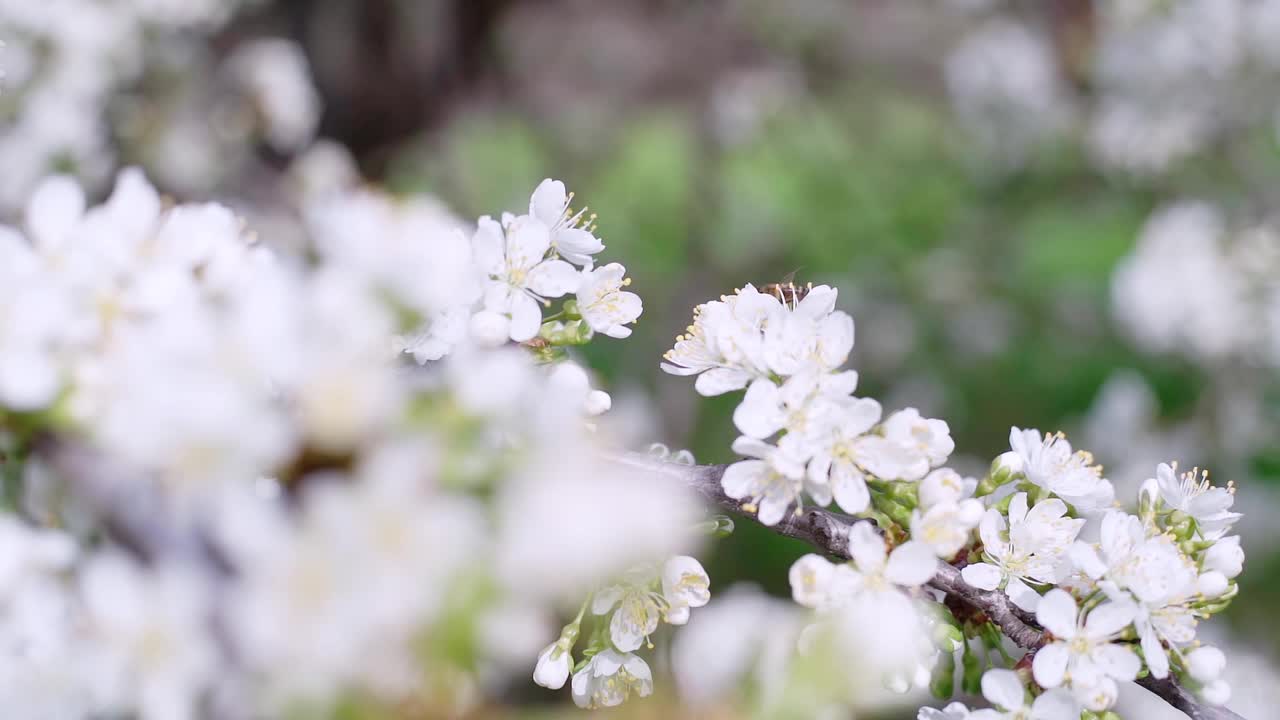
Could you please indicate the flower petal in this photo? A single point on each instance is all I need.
(1118, 662)
(1022, 594)
(528, 240)
(849, 487)
(1109, 618)
(1055, 705)
(983, 576)
(742, 479)
(554, 278)
(526, 317)
(1057, 614)
(718, 381)
(1003, 689)
(1050, 664)
(912, 564)
(1153, 652)
(867, 548)
(548, 202)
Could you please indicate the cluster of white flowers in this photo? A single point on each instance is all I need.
(1167, 79)
(1016, 531)
(354, 513)
(65, 62)
(1234, 311)
(350, 510)
(1144, 585)
(610, 671)
(1003, 81)
(786, 347)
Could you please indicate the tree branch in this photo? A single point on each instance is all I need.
(138, 523)
(829, 531)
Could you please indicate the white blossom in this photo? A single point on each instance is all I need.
(1160, 578)
(609, 678)
(1025, 551)
(1192, 494)
(604, 305)
(1049, 462)
(1004, 689)
(770, 483)
(571, 232)
(946, 526)
(514, 256)
(1083, 654)
(945, 485)
(554, 664)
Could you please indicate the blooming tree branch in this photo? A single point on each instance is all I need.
(829, 531)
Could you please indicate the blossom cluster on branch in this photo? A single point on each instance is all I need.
(1118, 595)
(243, 482)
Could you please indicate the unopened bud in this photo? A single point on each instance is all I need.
(943, 684)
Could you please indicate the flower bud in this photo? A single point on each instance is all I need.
(553, 666)
(948, 638)
(1225, 556)
(943, 684)
(1212, 584)
(1148, 496)
(490, 329)
(943, 485)
(1100, 696)
(598, 402)
(1217, 692)
(1206, 663)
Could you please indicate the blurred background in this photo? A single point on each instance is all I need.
(1057, 214)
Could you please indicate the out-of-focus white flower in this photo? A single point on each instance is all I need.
(945, 485)
(1004, 689)
(562, 496)
(609, 678)
(554, 664)
(1225, 557)
(153, 625)
(946, 526)
(1003, 81)
(952, 711)
(744, 638)
(1181, 246)
(1083, 654)
(1206, 663)
(276, 74)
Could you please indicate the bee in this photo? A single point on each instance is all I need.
(787, 291)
